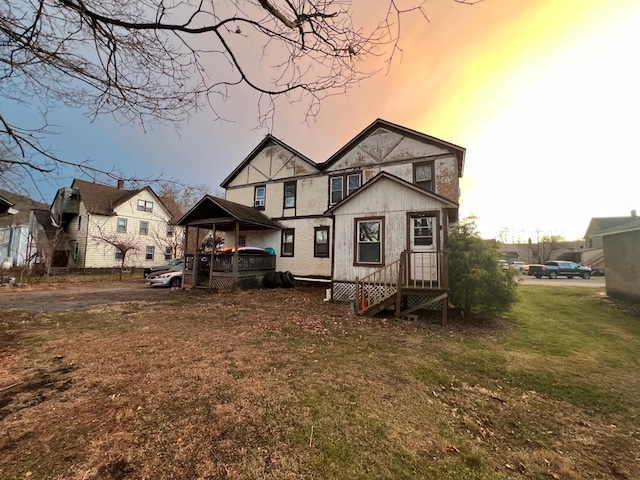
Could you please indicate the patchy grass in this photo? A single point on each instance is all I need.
(279, 384)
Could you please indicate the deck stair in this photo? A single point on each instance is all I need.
(416, 281)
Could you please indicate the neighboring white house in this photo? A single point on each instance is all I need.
(14, 228)
(97, 217)
(389, 190)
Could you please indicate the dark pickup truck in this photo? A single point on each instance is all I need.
(560, 268)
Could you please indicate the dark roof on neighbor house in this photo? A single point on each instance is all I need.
(99, 199)
(379, 123)
(380, 176)
(22, 204)
(225, 214)
(598, 224)
(263, 144)
(172, 207)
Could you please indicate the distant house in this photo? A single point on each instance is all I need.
(621, 245)
(14, 227)
(380, 207)
(593, 253)
(94, 217)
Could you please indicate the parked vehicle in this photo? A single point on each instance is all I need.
(166, 278)
(172, 263)
(559, 268)
(517, 265)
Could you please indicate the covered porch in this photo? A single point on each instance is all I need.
(207, 268)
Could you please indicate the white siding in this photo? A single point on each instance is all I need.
(387, 199)
(100, 254)
(303, 263)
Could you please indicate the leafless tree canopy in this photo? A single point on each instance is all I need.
(160, 60)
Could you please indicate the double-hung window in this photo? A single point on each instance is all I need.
(144, 206)
(122, 225)
(144, 227)
(118, 254)
(289, 194)
(167, 253)
(259, 196)
(150, 252)
(369, 241)
(423, 176)
(343, 185)
(321, 242)
(286, 247)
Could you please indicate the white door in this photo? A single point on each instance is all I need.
(423, 259)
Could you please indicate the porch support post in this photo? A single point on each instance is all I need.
(236, 255)
(184, 252)
(213, 255)
(196, 259)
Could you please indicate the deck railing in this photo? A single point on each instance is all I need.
(224, 263)
(413, 270)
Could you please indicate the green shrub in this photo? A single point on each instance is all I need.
(477, 281)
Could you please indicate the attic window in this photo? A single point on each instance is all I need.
(144, 206)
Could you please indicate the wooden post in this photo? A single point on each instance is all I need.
(399, 285)
(356, 301)
(212, 258)
(236, 256)
(184, 253)
(196, 259)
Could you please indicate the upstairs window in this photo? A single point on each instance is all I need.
(122, 225)
(343, 185)
(144, 228)
(289, 194)
(321, 242)
(76, 251)
(169, 232)
(79, 222)
(369, 239)
(423, 176)
(259, 197)
(144, 206)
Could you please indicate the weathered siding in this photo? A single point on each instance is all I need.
(312, 195)
(303, 263)
(272, 163)
(386, 199)
(623, 265)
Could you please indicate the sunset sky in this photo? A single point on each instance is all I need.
(543, 94)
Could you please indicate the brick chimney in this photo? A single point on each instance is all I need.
(120, 184)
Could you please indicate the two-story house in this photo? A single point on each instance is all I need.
(96, 218)
(388, 191)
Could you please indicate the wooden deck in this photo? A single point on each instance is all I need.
(226, 271)
(416, 281)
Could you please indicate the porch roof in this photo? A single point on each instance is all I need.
(225, 214)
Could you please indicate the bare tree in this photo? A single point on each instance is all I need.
(160, 60)
(546, 245)
(124, 244)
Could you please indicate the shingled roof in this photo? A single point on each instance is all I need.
(102, 199)
(23, 205)
(225, 213)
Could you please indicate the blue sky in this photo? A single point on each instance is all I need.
(543, 94)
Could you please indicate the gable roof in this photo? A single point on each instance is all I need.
(598, 224)
(398, 180)
(458, 151)
(99, 199)
(224, 214)
(631, 225)
(102, 199)
(43, 218)
(268, 139)
(20, 203)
